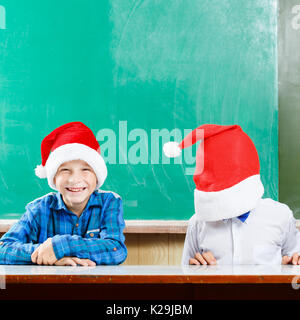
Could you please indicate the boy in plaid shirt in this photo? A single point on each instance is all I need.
(79, 224)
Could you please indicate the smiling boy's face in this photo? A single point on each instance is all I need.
(76, 181)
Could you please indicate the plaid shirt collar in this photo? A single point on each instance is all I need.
(58, 203)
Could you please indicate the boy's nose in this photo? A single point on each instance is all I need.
(74, 178)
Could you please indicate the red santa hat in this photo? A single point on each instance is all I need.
(227, 174)
(71, 141)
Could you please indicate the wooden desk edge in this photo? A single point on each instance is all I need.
(148, 279)
(136, 226)
(132, 226)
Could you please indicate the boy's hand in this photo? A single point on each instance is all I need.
(294, 259)
(74, 261)
(204, 258)
(44, 254)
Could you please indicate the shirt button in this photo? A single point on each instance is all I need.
(115, 249)
(77, 224)
(91, 234)
(1, 242)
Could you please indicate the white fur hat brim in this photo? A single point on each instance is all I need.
(69, 152)
(230, 202)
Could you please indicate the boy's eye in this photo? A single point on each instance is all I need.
(64, 169)
(86, 169)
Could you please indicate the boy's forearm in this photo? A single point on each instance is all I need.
(16, 253)
(291, 243)
(101, 251)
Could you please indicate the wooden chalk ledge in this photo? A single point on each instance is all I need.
(132, 226)
(137, 226)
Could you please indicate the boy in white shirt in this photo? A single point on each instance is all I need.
(232, 224)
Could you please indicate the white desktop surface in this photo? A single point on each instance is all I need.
(151, 270)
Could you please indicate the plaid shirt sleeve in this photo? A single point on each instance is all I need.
(17, 245)
(108, 249)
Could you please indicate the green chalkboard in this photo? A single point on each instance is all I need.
(289, 103)
(138, 73)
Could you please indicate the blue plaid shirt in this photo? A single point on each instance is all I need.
(96, 235)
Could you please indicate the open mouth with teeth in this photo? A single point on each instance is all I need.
(76, 190)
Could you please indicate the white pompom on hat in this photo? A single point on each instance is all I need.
(71, 141)
(172, 149)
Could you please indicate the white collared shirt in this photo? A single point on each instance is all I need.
(268, 233)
